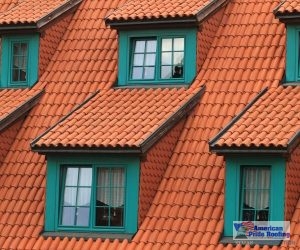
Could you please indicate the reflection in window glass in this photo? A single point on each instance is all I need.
(75, 205)
(19, 62)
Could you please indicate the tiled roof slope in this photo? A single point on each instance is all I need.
(158, 9)
(6, 4)
(288, 6)
(247, 54)
(119, 118)
(273, 121)
(29, 11)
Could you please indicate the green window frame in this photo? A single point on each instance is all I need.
(93, 201)
(153, 57)
(235, 165)
(19, 61)
(293, 54)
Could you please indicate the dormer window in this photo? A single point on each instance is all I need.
(157, 57)
(19, 61)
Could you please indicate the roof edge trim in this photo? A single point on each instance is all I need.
(33, 143)
(250, 150)
(210, 8)
(171, 121)
(213, 141)
(69, 5)
(21, 110)
(294, 141)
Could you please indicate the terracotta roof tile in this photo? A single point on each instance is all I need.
(29, 11)
(98, 123)
(161, 9)
(288, 6)
(273, 121)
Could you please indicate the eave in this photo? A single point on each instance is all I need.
(126, 149)
(20, 111)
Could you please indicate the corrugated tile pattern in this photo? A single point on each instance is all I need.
(7, 4)
(288, 6)
(49, 41)
(11, 99)
(117, 118)
(272, 121)
(29, 11)
(292, 183)
(154, 166)
(156, 9)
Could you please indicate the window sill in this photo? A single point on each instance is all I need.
(243, 242)
(89, 235)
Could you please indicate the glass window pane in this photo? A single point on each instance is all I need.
(139, 46)
(166, 44)
(178, 72)
(116, 218)
(68, 216)
(85, 178)
(150, 59)
(82, 216)
(178, 58)
(179, 44)
(262, 201)
(70, 196)
(71, 176)
(84, 196)
(149, 73)
(166, 72)
(117, 196)
(137, 73)
(151, 46)
(102, 216)
(166, 58)
(138, 60)
(118, 177)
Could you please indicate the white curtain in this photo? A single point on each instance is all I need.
(110, 182)
(257, 187)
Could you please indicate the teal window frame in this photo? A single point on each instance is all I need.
(292, 53)
(8, 41)
(234, 164)
(126, 39)
(54, 180)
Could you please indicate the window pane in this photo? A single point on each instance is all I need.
(150, 60)
(151, 46)
(19, 62)
(166, 44)
(166, 72)
(70, 196)
(179, 44)
(68, 215)
(139, 46)
(110, 197)
(83, 216)
(178, 58)
(137, 73)
(149, 73)
(166, 58)
(71, 176)
(85, 178)
(84, 196)
(138, 60)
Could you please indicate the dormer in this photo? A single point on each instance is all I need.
(23, 27)
(288, 12)
(158, 40)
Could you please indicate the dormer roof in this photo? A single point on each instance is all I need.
(288, 10)
(136, 12)
(33, 13)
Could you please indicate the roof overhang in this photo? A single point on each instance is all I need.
(141, 149)
(187, 21)
(20, 111)
(35, 26)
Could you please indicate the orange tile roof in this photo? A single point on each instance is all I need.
(31, 11)
(118, 118)
(273, 121)
(247, 53)
(288, 6)
(159, 9)
(15, 103)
